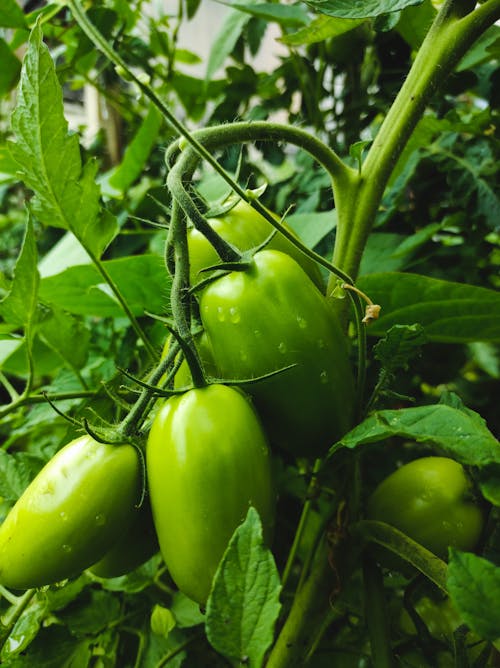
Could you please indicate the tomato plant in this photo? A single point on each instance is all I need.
(338, 164)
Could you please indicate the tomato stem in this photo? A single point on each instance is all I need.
(376, 613)
(358, 200)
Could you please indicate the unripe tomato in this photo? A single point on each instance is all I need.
(244, 228)
(430, 500)
(271, 316)
(79, 504)
(207, 461)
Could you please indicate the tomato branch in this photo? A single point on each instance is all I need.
(448, 39)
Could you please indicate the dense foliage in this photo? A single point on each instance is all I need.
(114, 135)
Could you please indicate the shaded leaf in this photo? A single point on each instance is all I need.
(474, 587)
(11, 15)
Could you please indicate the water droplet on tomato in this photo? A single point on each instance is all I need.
(323, 377)
(302, 322)
(221, 316)
(100, 519)
(282, 347)
(67, 548)
(234, 315)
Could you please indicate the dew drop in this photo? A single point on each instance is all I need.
(302, 322)
(234, 315)
(282, 347)
(257, 333)
(221, 316)
(323, 377)
(321, 344)
(63, 515)
(100, 519)
(67, 548)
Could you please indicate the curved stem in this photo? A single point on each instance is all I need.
(455, 28)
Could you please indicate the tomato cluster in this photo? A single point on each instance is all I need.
(277, 376)
(270, 333)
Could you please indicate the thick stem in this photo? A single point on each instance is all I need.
(448, 39)
(309, 608)
(376, 614)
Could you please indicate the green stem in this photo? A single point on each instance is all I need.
(41, 398)
(309, 607)
(10, 618)
(376, 614)
(123, 303)
(302, 523)
(448, 39)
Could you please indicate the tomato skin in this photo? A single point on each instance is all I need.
(244, 228)
(70, 514)
(271, 316)
(135, 546)
(429, 499)
(207, 461)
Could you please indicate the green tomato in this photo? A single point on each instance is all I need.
(244, 228)
(429, 499)
(135, 546)
(74, 510)
(269, 317)
(207, 461)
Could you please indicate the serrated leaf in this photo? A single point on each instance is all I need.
(459, 433)
(321, 28)
(474, 587)
(244, 603)
(449, 312)
(399, 346)
(360, 9)
(66, 195)
(11, 15)
(20, 304)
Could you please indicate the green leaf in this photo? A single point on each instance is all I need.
(142, 280)
(20, 305)
(25, 630)
(136, 153)
(346, 9)
(415, 23)
(399, 346)
(9, 72)
(244, 603)
(312, 227)
(67, 196)
(320, 29)
(450, 312)
(67, 335)
(474, 587)
(11, 15)
(286, 15)
(457, 432)
(16, 472)
(162, 621)
(225, 41)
